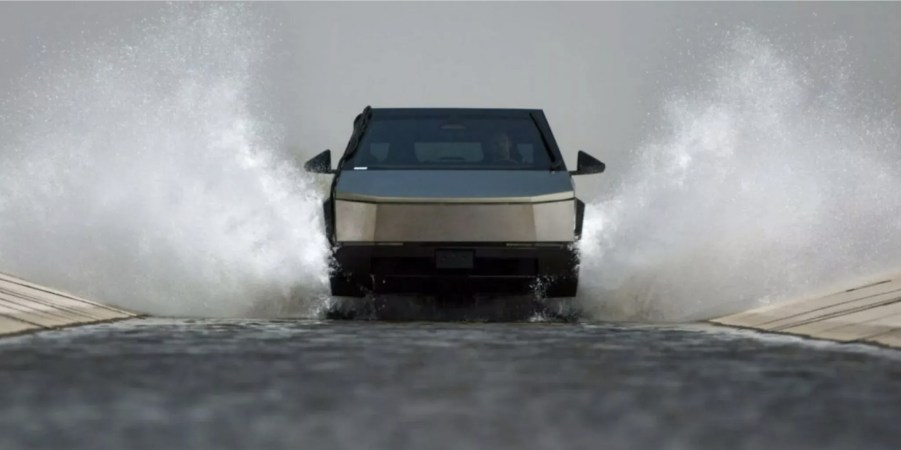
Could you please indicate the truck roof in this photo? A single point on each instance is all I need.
(424, 112)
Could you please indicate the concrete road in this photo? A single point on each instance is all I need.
(213, 384)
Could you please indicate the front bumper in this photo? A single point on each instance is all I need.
(436, 268)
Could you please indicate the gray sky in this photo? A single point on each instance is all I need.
(599, 70)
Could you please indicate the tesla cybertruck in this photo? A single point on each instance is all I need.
(431, 200)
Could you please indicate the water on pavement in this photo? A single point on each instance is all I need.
(213, 384)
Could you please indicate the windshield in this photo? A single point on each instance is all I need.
(451, 143)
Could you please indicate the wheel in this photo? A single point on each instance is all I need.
(562, 286)
(345, 286)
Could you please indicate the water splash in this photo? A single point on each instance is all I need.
(135, 172)
(773, 179)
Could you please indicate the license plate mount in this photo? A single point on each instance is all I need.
(454, 259)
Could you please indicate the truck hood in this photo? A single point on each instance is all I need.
(454, 186)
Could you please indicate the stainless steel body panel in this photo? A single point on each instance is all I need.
(455, 222)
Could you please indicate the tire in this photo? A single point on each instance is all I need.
(345, 286)
(562, 287)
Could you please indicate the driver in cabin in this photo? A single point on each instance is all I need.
(500, 149)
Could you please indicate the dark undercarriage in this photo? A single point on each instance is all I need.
(458, 268)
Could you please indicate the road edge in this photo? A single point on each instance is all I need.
(866, 311)
(27, 307)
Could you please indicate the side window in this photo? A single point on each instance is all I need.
(526, 153)
(378, 151)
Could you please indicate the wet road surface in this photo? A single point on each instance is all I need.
(213, 384)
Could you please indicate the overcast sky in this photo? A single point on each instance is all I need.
(601, 71)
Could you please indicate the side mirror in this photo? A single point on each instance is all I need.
(587, 164)
(321, 163)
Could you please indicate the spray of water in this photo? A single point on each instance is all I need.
(774, 178)
(135, 172)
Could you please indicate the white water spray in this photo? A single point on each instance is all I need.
(135, 173)
(774, 179)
